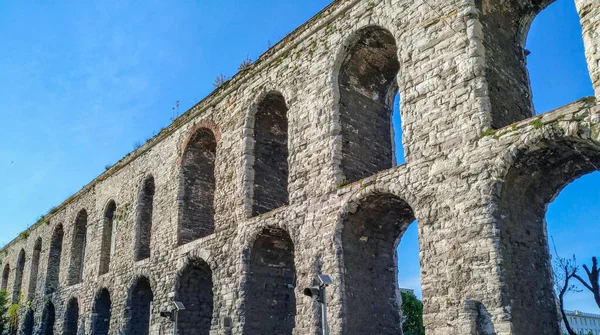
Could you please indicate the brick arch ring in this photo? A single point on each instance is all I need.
(204, 123)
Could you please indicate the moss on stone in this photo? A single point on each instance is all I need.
(537, 123)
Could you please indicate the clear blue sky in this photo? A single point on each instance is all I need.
(82, 82)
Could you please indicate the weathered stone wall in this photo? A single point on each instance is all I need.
(478, 196)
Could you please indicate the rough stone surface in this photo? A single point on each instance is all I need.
(480, 170)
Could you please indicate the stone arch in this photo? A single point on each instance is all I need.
(108, 237)
(19, 270)
(551, 57)
(504, 31)
(5, 275)
(54, 256)
(28, 323)
(101, 313)
(270, 304)
(534, 174)
(71, 321)
(139, 304)
(370, 233)
(194, 288)
(35, 264)
(268, 123)
(197, 187)
(143, 232)
(366, 85)
(78, 243)
(48, 319)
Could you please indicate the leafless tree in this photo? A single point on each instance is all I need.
(246, 63)
(220, 80)
(593, 284)
(564, 270)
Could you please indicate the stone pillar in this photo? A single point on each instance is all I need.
(589, 15)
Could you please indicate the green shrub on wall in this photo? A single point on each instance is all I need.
(3, 312)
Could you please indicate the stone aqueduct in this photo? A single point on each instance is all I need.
(286, 171)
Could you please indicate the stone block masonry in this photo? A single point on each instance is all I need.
(286, 171)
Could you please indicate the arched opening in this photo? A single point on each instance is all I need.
(270, 281)
(556, 61)
(138, 311)
(399, 152)
(556, 64)
(28, 323)
(101, 313)
(53, 269)
(35, 264)
(197, 187)
(5, 274)
(78, 248)
(195, 291)
(71, 321)
(108, 239)
(18, 277)
(370, 237)
(143, 232)
(531, 183)
(409, 280)
(572, 226)
(48, 319)
(368, 87)
(270, 188)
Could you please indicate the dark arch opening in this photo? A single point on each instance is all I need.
(144, 220)
(531, 183)
(48, 320)
(71, 318)
(138, 310)
(35, 264)
(101, 313)
(78, 248)
(197, 187)
(53, 269)
(5, 274)
(270, 189)
(367, 84)
(107, 247)
(556, 61)
(270, 280)
(370, 237)
(505, 29)
(28, 323)
(19, 269)
(195, 291)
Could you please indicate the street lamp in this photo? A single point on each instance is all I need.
(317, 292)
(173, 314)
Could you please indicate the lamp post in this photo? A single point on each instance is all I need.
(318, 293)
(173, 314)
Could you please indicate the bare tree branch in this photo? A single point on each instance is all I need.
(564, 270)
(593, 285)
